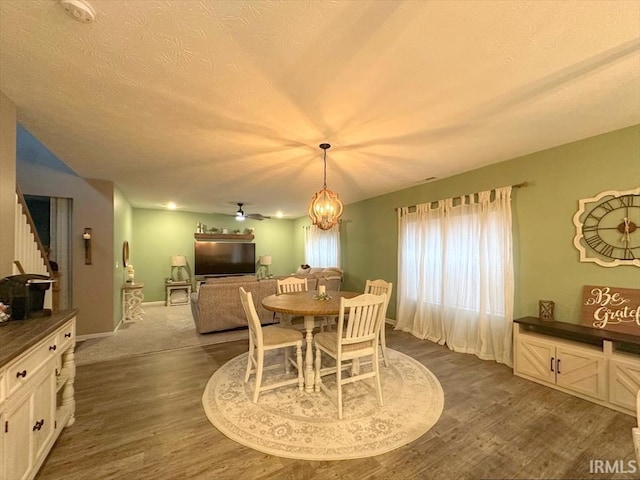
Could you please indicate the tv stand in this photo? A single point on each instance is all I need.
(596, 365)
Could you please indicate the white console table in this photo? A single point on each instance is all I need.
(596, 365)
(132, 297)
(37, 373)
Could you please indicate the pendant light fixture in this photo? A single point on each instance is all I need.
(326, 208)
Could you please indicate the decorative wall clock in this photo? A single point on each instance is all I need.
(608, 228)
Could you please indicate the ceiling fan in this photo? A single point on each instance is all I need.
(240, 215)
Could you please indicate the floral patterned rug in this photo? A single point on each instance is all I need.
(288, 423)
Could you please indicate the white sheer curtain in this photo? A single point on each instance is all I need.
(322, 247)
(455, 274)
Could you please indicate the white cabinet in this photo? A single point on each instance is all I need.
(581, 370)
(178, 293)
(624, 375)
(588, 366)
(36, 402)
(573, 367)
(29, 425)
(535, 358)
(43, 415)
(16, 421)
(132, 298)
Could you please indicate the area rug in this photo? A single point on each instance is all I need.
(292, 424)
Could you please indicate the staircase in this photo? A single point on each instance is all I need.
(29, 255)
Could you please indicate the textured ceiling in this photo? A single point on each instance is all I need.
(207, 103)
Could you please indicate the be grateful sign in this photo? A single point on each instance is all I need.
(611, 308)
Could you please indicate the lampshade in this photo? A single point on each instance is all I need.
(265, 260)
(179, 261)
(326, 208)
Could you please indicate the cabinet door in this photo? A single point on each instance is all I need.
(44, 411)
(17, 436)
(624, 381)
(535, 357)
(581, 370)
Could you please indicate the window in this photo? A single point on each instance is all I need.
(455, 274)
(322, 247)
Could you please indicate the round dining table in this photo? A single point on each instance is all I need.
(308, 305)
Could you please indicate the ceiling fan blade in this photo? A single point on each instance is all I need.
(241, 214)
(256, 216)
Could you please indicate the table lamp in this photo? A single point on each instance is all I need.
(265, 260)
(178, 261)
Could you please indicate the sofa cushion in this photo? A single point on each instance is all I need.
(217, 306)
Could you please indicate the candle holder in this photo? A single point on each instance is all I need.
(86, 236)
(546, 310)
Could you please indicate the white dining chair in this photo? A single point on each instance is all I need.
(295, 284)
(263, 339)
(380, 287)
(291, 284)
(356, 336)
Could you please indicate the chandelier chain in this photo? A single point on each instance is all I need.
(325, 168)
(325, 147)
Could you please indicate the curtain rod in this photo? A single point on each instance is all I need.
(517, 185)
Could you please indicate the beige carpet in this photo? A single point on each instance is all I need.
(292, 424)
(162, 328)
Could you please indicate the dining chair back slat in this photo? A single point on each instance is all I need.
(291, 284)
(380, 287)
(361, 324)
(356, 337)
(295, 284)
(263, 339)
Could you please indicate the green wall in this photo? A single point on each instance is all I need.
(160, 234)
(546, 263)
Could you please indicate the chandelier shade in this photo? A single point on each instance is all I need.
(326, 208)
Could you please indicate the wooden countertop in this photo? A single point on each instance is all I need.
(570, 330)
(16, 336)
(303, 303)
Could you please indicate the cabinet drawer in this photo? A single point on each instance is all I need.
(22, 369)
(67, 335)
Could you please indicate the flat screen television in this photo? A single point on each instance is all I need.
(225, 258)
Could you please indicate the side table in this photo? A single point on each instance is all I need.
(178, 293)
(132, 298)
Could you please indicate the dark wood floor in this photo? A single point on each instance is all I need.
(142, 418)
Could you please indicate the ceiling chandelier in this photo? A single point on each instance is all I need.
(326, 208)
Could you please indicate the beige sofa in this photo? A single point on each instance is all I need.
(216, 305)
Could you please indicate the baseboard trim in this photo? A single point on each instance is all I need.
(89, 336)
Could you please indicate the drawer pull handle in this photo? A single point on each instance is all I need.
(558, 367)
(67, 335)
(38, 425)
(23, 373)
(53, 348)
(552, 359)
